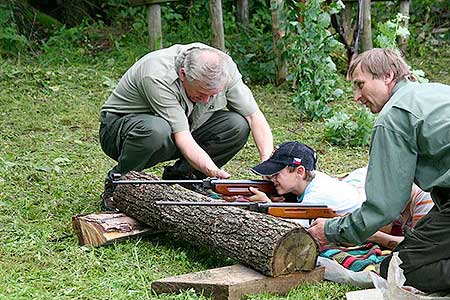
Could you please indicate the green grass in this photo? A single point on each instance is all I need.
(52, 167)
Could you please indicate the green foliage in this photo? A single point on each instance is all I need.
(390, 31)
(11, 41)
(308, 45)
(349, 130)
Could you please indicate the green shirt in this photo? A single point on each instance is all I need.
(410, 142)
(152, 86)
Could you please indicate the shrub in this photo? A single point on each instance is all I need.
(350, 130)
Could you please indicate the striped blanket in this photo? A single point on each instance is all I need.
(358, 258)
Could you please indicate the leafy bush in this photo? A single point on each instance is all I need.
(11, 41)
(350, 130)
(308, 45)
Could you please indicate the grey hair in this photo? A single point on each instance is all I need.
(379, 62)
(205, 65)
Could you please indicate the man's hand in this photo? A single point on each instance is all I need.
(317, 230)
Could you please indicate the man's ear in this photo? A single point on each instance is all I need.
(182, 74)
(388, 78)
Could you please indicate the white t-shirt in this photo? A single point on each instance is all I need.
(338, 195)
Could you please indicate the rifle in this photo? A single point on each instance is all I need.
(276, 209)
(228, 187)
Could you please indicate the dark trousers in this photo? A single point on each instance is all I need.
(425, 251)
(140, 141)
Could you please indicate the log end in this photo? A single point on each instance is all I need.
(296, 251)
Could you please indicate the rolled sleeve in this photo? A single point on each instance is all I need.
(389, 180)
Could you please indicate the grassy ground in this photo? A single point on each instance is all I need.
(51, 168)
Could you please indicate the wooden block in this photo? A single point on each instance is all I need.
(105, 228)
(148, 2)
(233, 282)
(372, 294)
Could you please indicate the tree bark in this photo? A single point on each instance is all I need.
(272, 246)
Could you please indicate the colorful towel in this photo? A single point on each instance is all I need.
(359, 258)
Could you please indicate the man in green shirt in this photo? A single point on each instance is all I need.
(185, 102)
(410, 143)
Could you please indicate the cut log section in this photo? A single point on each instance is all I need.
(105, 228)
(233, 282)
(270, 245)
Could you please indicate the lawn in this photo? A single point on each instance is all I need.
(52, 167)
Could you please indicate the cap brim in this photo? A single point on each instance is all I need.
(268, 168)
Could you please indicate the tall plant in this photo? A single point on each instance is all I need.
(308, 45)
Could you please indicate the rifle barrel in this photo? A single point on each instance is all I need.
(156, 181)
(239, 203)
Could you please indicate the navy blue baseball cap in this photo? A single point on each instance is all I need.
(293, 154)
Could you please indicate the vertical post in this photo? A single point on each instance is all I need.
(215, 12)
(278, 31)
(366, 41)
(154, 26)
(347, 21)
(242, 12)
(404, 10)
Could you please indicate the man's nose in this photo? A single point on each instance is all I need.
(357, 96)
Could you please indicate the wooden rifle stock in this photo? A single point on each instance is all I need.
(276, 209)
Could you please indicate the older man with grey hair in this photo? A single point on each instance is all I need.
(185, 102)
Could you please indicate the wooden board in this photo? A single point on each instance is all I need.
(233, 282)
(105, 228)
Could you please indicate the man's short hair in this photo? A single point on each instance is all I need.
(379, 62)
(204, 65)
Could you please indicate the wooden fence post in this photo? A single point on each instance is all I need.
(404, 10)
(154, 26)
(278, 31)
(242, 12)
(215, 12)
(366, 41)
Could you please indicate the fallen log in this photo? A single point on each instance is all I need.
(272, 246)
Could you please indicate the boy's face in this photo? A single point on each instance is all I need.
(288, 182)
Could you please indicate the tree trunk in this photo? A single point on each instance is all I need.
(270, 245)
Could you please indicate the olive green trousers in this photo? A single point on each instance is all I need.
(140, 141)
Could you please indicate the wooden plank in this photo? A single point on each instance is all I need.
(148, 2)
(372, 294)
(105, 228)
(233, 282)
